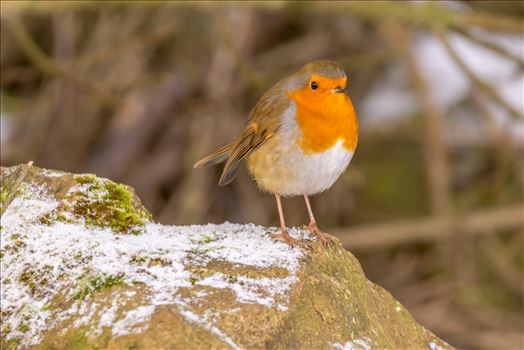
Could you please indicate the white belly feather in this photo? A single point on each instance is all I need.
(280, 165)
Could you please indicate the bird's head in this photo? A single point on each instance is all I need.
(318, 82)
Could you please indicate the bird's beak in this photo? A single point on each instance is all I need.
(338, 90)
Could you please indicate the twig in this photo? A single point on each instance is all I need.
(483, 86)
(500, 261)
(433, 228)
(491, 22)
(142, 39)
(429, 15)
(126, 143)
(434, 123)
(426, 14)
(490, 45)
(50, 67)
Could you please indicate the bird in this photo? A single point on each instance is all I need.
(298, 139)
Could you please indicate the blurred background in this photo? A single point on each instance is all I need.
(432, 204)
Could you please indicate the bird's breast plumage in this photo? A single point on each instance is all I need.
(325, 120)
(307, 154)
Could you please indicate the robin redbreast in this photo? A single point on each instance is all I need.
(299, 138)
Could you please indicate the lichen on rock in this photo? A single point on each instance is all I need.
(71, 278)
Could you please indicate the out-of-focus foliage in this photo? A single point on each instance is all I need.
(138, 91)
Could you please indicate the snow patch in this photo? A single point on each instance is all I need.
(39, 262)
(434, 346)
(134, 317)
(398, 307)
(357, 344)
(53, 173)
(190, 316)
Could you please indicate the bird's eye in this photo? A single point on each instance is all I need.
(314, 85)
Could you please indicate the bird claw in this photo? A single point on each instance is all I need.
(292, 242)
(325, 238)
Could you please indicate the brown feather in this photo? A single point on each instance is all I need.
(263, 123)
(219, 156)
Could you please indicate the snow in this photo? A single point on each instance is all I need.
(190, 316)
(435, 346)
(250, 290)
(357, 344)
(53, 173)
(128, 323)
(398, 307)
(64, 256)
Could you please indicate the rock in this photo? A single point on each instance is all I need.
(84, 266)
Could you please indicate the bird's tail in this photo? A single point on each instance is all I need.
(219, 156)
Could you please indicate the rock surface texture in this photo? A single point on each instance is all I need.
(84, 266)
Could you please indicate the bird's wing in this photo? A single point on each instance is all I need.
(218, 156)
(262, 124)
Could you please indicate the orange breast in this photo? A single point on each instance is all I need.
(325, 118)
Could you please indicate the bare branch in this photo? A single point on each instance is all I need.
(491, 46)
(429, 15)
(50, 67)
(482, 85)
(434, 122)
(433, 228)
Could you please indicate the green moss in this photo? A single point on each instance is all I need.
(12, 344)
(19, 244)
(232, 279)
(75, 339)
(3, 195)
(85, 178)
(205, 250)
(26, 277)
(133, 345)
(79, 342)
(136, 259)
(23, 328)
(102, 203)
(234, 271)
(98, 284)
(206, 240)
(159, 262)
(36, 280)
(115, 209)
(202, 249)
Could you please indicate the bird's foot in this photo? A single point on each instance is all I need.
(322, 236)
(293, 242)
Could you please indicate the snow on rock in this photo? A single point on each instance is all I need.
(84, 266)
(60, 255)
(357, 344)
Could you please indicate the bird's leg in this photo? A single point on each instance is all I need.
(313, 228)
(283, 230)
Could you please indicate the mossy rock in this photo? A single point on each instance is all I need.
(97, 201)
(71, 282)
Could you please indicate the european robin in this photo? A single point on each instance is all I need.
(299, 138)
